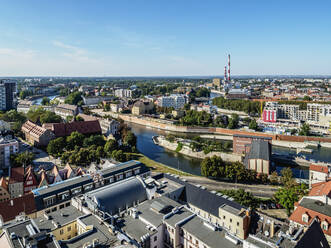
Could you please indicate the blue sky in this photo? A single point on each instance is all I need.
(156, 38)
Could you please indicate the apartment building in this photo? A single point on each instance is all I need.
(319, 115)
(175, 101)
(8, 91)
(16, 182)
(123, 93)
(65, 110)
(7, 147)
(142, 107)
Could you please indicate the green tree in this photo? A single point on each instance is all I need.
(119, 155)
(307, 98)
(22, 159)
(69, 118)
(50, 117)
(305, 130)
(79, 118)
(55, 147)
(34, 114)
(243, 197)
(45, 100)
(287, 196)
(274, 177)
(253, 125)
(287, 177)
(110, 146)
(74, 98)
(75, 139)
(97, 140)
(130, 139)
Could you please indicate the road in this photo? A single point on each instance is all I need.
(259, 190)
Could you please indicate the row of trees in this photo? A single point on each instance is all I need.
(215, 167)
(42, 115)
(247, 106)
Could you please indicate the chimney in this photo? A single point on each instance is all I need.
(229, 78)
(272, 229)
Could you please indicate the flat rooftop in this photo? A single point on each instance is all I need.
(214, 239)
(60, 217)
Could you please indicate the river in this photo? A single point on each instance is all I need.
(191, 165)
(38, 100)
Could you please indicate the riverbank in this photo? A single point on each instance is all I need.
(187, 151)
(170, 126)
(159, 167)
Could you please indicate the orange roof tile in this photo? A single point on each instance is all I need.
(296, 216)
(319, 168)
(320, 189)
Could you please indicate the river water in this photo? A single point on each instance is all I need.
(38, 100)
(147, 147)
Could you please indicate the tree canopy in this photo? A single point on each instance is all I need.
(74, 98)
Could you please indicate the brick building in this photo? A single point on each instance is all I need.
(36, 135)
(241, 143)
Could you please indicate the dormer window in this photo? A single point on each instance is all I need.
(305, 218)
(325, 225)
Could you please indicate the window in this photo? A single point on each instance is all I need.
(69, 237)
(224, 217)
(155, 238)
(305, 218)
(61, 231)
(230, 220)
(69, 228)
(197, 242)
(237, 223)
(325, 226)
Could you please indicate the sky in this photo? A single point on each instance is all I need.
(164, 38)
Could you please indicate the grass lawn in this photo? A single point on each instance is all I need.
(158, 167)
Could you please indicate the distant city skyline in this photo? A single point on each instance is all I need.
(170, 38)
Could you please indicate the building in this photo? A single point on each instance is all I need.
(65, 129)
(317, 205)
(142, 107)
(7, 94)
(95, 100)
(175, 101)
(319, 172)
(7, 147)
(319, 115)
(57, 195)
(270, 232)
(259, 156)
(123, 93)
(217, 82)
(109, 127)
(37, 135)
(30, 180)
(19, 206)
(242, 143)
(16, 182)
(238, 94)
(65, 110)
(25, 233)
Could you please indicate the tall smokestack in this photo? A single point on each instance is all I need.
(229, 78)
(225, 74)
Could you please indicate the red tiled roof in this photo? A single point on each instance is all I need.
(320, 189)
(319, 168)
(3, 183)
(16, 175)
(33, 129)
(299, 211)
(83, 127)
(11, 208)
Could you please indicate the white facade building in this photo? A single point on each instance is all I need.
(123, 93)
(176, 101)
